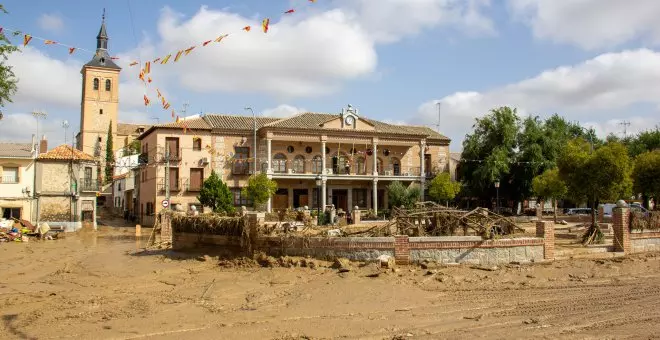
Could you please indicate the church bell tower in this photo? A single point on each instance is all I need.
(100, 99)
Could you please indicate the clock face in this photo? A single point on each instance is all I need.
(350, 120)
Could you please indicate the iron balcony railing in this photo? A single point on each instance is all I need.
(9, 179)
(175, 185)
(89, 184)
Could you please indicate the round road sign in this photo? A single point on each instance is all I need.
(165, 203)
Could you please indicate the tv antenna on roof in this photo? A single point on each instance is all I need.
(625, 124)
(439, 105)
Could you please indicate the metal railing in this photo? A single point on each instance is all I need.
(9, 179)
(89, 184)
(175, 185)
(241, 168)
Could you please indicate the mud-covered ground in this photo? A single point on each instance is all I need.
(96, 286)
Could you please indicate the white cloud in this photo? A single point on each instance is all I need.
(590, 24)
(614, 126)
(20, 127)
(282, 111)
(51, 22)
(594, 90)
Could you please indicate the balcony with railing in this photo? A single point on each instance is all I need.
(175, 184)
(89, 184)
(241, 167)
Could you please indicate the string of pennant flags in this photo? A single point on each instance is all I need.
(27, 39)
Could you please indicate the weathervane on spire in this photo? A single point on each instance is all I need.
(103, 17)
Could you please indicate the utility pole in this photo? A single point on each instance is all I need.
(65, 125)
(625, 124)
(167, 174)
(38, 115)
(254, 140)
(437, 126)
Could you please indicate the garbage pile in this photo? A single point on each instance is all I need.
(18, 230)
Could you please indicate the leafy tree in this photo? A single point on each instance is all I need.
(646, 176)
(594, 175)
(442, 188)
(216, 195)
(109, 155)
(549, 185)
(259, 189)
(400, 195)
(8, 81)
(133, 148)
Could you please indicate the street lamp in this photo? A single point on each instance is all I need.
(497, 198)
(254, 127)
(319, 182)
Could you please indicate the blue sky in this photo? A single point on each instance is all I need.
(392, 59)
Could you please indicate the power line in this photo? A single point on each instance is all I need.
(625, 124)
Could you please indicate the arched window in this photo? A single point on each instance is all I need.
(361, 166)
(299, 164)
(279, 163)
(396, 167)
(96, 83)
(317, 164)
(379, 166)
(108, 84)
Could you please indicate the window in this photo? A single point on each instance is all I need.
(100, 139)
(100, 111)
(317, 164)
(196, 179)
(197, 144)
(241, 161)
(96, 83)
(239, 198)
(108, 85)
(8, 213)
(173, 147)
(361, 166)
(279, 163)
(360, 198)
(299, 164)
(150, 209)
(340, 164)
(10, 174)
(396, 167)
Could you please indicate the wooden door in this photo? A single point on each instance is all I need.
(280, 202)
(303, 200)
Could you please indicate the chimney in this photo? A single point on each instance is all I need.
(43, 145)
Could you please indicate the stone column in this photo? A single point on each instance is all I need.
(324, 194)
(323, 155)
(290, 196)
(269, 156)
(374, 197)
(621, 226)
(375, 155)
(422, 177)
(546, 230)
(349, 192)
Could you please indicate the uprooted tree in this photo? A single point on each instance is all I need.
(591, 175)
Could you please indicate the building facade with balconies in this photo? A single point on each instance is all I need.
(342, 159)
(66, 188)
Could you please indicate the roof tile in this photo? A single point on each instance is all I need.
(18, 150)
(66, 152)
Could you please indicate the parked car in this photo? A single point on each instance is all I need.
(636, 207)
(579, 211)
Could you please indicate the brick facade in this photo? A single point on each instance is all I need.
(546, 230)
(621, 226)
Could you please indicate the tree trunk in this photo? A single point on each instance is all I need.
(594, 206)
(646, 202)
(554, 201)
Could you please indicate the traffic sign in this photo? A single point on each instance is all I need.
(165, 203)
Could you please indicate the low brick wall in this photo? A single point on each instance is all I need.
(474, 250)
(353, 248)
(644, 241)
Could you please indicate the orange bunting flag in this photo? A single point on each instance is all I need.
(206, 42)
(26, 39)
(146, 100)
(290, 11)
(188, 50)
(156, 60)
(149, 80)
(163, 100)
(312, 0)
(178, 55)
(133, 63)
(246, 28)
(71, 50)
(114, 58)
(147, 67)
(158, 91)
(264, 25)
(50, 42)
(141, 76)
(172, 113)
(185, 127)
(166, 106)
(219, 39)
(177, 119)
(166, 59)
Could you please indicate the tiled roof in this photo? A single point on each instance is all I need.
(194, 123)
(64, 153)
(17, 150)
(235, 122)
(313, 121)
(130, 129)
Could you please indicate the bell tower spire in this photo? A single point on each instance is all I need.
(102, 37)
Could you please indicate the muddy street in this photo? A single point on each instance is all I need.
(99, 286)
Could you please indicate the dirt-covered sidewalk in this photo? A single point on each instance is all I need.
(96, 286)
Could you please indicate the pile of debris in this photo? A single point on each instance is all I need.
(17, 230)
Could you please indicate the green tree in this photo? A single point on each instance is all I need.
(549, 185)
(109, 155)
(133, 148)
(646, 176)
(259, 189)
(8, 81)
(400, 195)
(216, 195)
(442, 188)
(604, 173)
